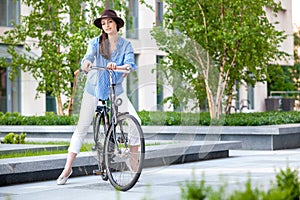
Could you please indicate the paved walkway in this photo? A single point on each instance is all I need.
(163, 182)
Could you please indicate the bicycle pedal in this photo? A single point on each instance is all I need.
(97, 172)
(94, 148)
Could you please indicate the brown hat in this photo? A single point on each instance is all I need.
(108, 13)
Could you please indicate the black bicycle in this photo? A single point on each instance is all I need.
(119, 140)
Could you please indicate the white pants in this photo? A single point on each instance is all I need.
(87, 110)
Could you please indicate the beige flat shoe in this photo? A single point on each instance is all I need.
(62, 180)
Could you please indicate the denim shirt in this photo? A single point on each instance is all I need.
(97, 83)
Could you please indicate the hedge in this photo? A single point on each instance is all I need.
(166, 119)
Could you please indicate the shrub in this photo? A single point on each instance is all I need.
(17, 139)
(9, 138)
(48, 119)
(173, 118)
(287, 187)
(193, 190)
(167, 119)
(12, 138)
(22, 138)
(288, 184)
(248, 194)
(203, 118)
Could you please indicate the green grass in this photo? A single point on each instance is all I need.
(49, 143)
(27, 153)
(85, 147)
(31, 153)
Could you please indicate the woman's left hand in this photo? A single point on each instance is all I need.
(111, 65)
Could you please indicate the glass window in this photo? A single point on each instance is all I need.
(15, 91)
(132, 87)
(50, 103)
(250, 97)
(159, 86)
(132, 20)
(9, 92)
(158, 12)
(3, 78)
(9, 12)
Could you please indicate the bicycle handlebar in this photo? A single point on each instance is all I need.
(123, 68)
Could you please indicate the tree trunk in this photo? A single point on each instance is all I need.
(228, 103)
(71, 102)
(59, 105)
(215, 103)
(211, 103)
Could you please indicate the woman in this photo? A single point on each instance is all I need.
(108, 50)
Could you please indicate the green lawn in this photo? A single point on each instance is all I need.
(85, 147)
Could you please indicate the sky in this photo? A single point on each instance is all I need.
(296, 12)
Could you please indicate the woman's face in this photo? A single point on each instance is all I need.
(109, 26)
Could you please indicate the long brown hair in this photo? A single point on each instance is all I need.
(104, 45)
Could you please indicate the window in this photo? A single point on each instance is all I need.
(9, 92)
(14, 93)
(159, 86)
(3, 78)
(9, 12)
(50, 103)
(250, 97)
(132, 87)
(159, 12)
(132, 20)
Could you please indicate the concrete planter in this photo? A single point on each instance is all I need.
(288, 104)
(272, 104)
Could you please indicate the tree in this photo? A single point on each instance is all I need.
(60, 30)
(284, 82)
(289, 79)
(219, 43)
(295, 70)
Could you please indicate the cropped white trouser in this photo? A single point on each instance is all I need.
(87, 110)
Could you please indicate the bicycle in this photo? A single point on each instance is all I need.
(119, 140)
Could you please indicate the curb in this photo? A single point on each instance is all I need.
(41, 168)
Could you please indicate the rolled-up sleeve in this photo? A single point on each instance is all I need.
(91, 51)
(129, 56)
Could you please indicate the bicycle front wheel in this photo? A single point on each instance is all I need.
(124, 151)
(99, 126)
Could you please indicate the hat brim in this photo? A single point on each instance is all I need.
(118, 20)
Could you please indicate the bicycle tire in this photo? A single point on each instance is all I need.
(99, 138)
(123, 166)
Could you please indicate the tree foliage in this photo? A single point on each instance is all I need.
(295, 70)
(284, 82)
(59, 30)
(290, 75)
(217, 44)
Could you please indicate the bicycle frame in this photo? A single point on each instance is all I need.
(103, 110)
(114, 110)
(115, 102)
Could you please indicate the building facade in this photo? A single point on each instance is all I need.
(143, 88)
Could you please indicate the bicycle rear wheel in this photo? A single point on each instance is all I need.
(124, 153)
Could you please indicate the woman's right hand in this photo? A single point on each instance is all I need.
(86, 65)
(111, 65)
